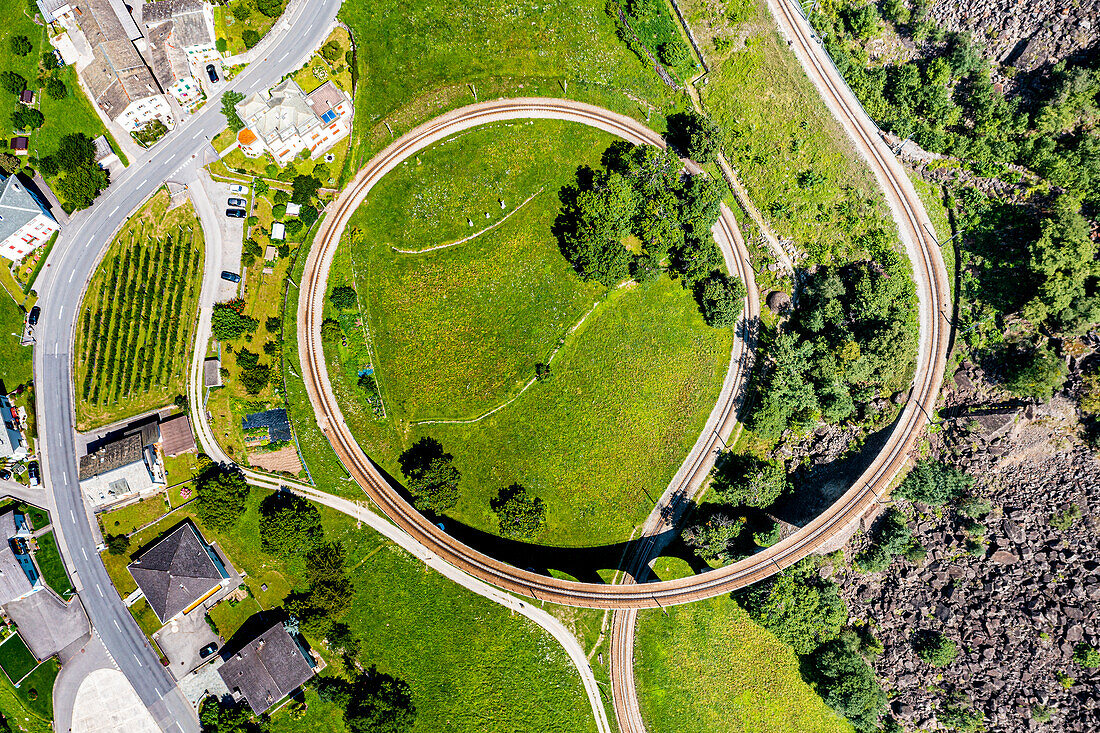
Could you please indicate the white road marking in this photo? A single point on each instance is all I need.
(138, 661)
(99, 589)
(117, 626)
(72, 515)
(116, 209)
(143, 180)
(72, 275)
(84, 553)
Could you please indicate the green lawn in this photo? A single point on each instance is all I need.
(417, 59)
(138, 315)
(36, 690)
(52, 566)
(706, 667)
(15, 658)
(132, 516)
(776, 130)
(146, 619)
(458, 332)
(472, 665)
(17, 709)
(229, 616)
(15, 360)
(230, 29)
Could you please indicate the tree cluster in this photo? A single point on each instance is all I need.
(432, 476)
(229, 109)
(641, 192)
(289, 524)
(891, 538)
(228, 323)
(933, 483)
(222, 496)
(851, 337)
(329, 591)
(343, 298)
(373, 703)
(225, 716)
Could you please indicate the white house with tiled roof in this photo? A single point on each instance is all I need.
(286, 121)
(25, 224)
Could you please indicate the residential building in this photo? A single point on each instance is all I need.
(268, 668)
(118, 78)
(18, 575)
(25, 222)
(179, 572)
(124, 468)
(285, 121)
(20, 144)
(12, 445)
(54, 10)
(182, 41)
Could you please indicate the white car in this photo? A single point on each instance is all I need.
(238, 188)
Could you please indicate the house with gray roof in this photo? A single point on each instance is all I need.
(125, 468)
(268, 668)
(179, 572)
(25, 222)
(181, 40)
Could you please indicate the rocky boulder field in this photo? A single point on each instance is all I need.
(1017, 592)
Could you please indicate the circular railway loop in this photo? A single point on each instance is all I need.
(930, 280)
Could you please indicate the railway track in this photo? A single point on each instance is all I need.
(931, 282)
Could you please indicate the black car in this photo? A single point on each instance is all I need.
(32, 473)
(236, 213)
(212, 73)
(32, 318)
(237, 202)
(5, 474)
(207, 650)
(231, 276)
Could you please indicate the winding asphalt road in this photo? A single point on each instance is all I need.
(61, 287)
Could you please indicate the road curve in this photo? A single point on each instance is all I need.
(61, 287)
(931, 281)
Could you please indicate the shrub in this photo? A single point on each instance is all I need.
(676, 54)
(1086, 655)
(13, 83)
(249, 37)
(693, 135)
(260, 186)
(281, 196)
(847, 683)
(956, 714)
(27, 118)
(798, 607)
(768, 537)
(974, 507)
(934, 648)
(230, 99)
(1064, 519)
(227, 323)
(222, 496)
(331, 330)
(278, 211)
(713, 534)
(891, 537)
(1035, 373)
(289, 524)
(933, 483)
(255, 378)
(344, 298)
(20, 45)
(56, 88)
(118, 544)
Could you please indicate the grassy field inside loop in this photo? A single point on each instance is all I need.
(457, 332)
(706, 667)
(138, 316)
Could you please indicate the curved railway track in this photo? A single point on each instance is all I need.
(931, 282)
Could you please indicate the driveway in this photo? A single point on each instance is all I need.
(182, 639)
(47, 623)
(220, 232)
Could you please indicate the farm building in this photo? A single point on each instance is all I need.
(12, 445)
(268, 426)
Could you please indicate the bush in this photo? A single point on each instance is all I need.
(227, 323)
(13, 83)
(222, 496)
(1086, 655)
(278, 211)
(27, 118)
(933, 483)
(720, 299)
(934, 648)
(891, 537)
(676, 54)
(270, 8)
(331, 330)
(519, 513)
(255, 378)
(260, 186)
(712, 535)
(20, 45)
(249, 37)
(1035, 373)
(230, 99)
(344, 298)
(956, 714)
(118, 544)
(56, 88)
(768, 537)
(693, 135)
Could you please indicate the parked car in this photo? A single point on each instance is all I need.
(32, 473)
(231, 276)
(207, 650)
(238, 202)
(236, 213)
(5, 474)
(238, 189)
(32, 317)
(212, 73)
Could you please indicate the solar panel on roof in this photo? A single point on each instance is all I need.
(328, 117)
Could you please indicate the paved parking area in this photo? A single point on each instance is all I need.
(47, 623)
(106, 703)
(181, 641)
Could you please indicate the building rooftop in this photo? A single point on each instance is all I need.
(280, 113)
(18, 206)
(117, 74)
(26, 96)
(17, 578)
(11, 440)
(20, 143)
(190, 26)
(102, 148)
(122, 452)
(177, 572)
(267, 669)
(211, 372)
(246, 136)
(324, 99)
(176, 435)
